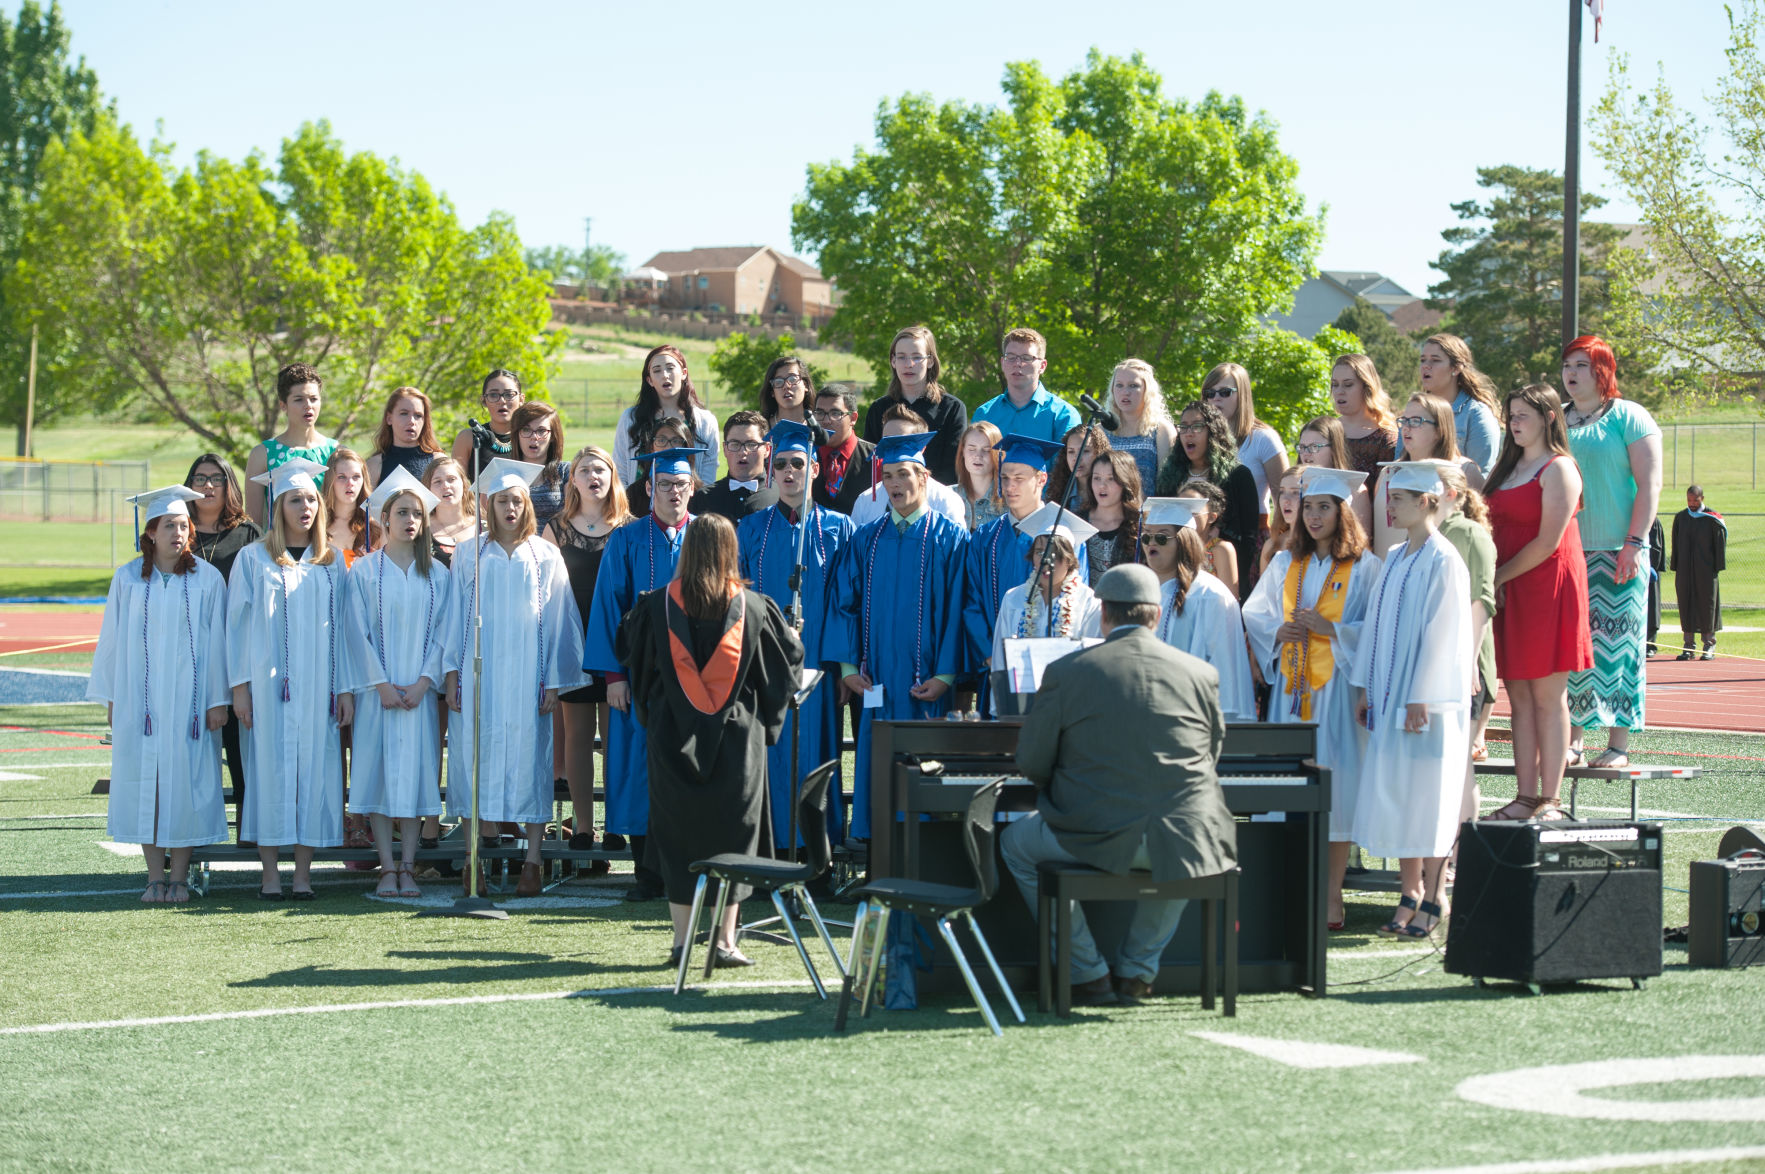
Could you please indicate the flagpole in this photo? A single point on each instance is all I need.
(1572, 184)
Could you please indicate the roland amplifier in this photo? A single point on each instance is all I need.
(1556, 901)
(1726, 919)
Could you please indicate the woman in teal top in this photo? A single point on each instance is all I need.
(1617, 445)
(298, 392)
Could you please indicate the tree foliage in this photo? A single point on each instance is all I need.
(739, 362)
(43, 96)
(190, 288)
(1112, 218)
(1290, 375)
(595, 266)
(1699, 297)
(1393, 352)
(1503, 284)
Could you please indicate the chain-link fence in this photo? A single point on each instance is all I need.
(68, 491)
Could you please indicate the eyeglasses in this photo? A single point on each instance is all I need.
(1155, 540)
(744, 445)
(673, 488)
(792, 463)
(1020, 360)
(1214, 393)
(1305, 448)
(205, 480)
(1414, 421)
(537, 433)
(908, 360)
(788, 381)
(501, 397)
(830, 415)
(1191, 429)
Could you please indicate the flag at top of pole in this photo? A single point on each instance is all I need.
(1598, 8)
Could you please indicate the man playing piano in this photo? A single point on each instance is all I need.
(1122, 743)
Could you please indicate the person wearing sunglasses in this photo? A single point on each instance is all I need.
(769, 541)
(1197, 613)
(746, 489)
(1260, 448)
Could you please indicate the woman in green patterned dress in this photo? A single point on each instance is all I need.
(298, 391)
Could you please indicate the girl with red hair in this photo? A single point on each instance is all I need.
(1617, 445)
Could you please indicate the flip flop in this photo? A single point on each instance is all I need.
(1611, 759)
(407, 884)
(154, 893)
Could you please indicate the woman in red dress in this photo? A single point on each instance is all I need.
(1541, 631)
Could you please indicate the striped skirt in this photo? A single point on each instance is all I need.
(1611, 692)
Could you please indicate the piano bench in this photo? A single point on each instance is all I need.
(1058, 885)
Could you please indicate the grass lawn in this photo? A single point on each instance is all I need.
(572, 1059)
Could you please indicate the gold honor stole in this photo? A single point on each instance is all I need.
(1309, 666)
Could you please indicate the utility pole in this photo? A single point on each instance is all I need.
(1572, 185)
(587, 250)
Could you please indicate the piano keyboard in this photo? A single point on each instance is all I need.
(1225, 780)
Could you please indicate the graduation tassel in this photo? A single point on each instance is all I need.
(875, 475)
(285, 694)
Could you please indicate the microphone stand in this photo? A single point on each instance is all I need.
(1065, 507)
(474, 903)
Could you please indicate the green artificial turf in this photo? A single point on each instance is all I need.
(741, 1077)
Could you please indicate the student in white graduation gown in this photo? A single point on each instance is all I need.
(398, 609)
(291, 676)
(1413, 679)
(1024, 613)
(532, 638)
(1305, 619)
(1197, 613)
(161, 670)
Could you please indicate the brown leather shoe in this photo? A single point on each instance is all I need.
(532, 881)
(466, 882)
(1132, 991)
(1099, 992)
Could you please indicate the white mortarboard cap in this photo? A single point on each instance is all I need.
(1317, 481)
(1173, 511)
(503, 473)
(1416, 476)
(157, 503)
(1073, 527)
(399, 481)
(293, 473)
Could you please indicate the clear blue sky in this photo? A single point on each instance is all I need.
(683, 124)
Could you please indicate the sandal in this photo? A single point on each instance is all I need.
(387, 876)
(1395, 928)
(1549, 810)
(1516, 810)
(1577, 756)
(171, 895)
(1611, 759)
(154, 893)
(407, 882)
(1425, 909)
(1479, 753)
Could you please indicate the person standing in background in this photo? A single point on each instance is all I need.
(913, 383)
(1447, 373)
(1700, 554)
(787, 393)
(977, 474)
(745, 490)
(1368, 431)
(406, 439)
(844, 459)
(539, 440)
(1146, 431)
(299, 391)
(665, 389)
(1260, 448)
(1206, 450)
(1025, 407)
(499, 395)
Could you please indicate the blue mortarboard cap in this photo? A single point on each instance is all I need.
(790, 436)
(671, 461)
(1030, 450)
(908, 449)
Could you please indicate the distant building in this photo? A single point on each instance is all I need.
(1321, 299)
(741, 279)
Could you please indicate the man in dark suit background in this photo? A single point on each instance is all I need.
(1122, 743)
(844, 459)
(743, 490)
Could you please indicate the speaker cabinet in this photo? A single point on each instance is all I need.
(1556, 902)
(1727, 924)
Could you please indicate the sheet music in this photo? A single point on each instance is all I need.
(1026, 659)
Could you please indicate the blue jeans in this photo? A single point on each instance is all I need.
(1028, 842)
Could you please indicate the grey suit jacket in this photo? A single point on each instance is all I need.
(1122, 742)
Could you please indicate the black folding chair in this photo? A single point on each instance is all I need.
(880, 898)
(779, 878)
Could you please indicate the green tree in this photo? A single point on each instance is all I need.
(1115, 220)
(739, 362)
(1393, 352)
(1503, 284)
(43, 95)
(1290, 375)
(596, 266)
(191, 288)
(1699, 298)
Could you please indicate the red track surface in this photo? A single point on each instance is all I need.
(1721, 694)
(24, 630)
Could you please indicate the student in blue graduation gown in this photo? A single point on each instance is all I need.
(639, 557)
(999, 552)
(896, 619)
(769, 543)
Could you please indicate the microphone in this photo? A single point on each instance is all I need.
(1105, 418)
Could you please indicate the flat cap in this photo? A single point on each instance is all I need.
(1129, 583)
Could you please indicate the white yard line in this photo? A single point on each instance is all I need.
(1661, 1158)
(391, 1004)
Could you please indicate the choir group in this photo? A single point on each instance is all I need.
(326, 622)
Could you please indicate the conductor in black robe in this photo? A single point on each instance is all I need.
(712, 668)
(1700, 554)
